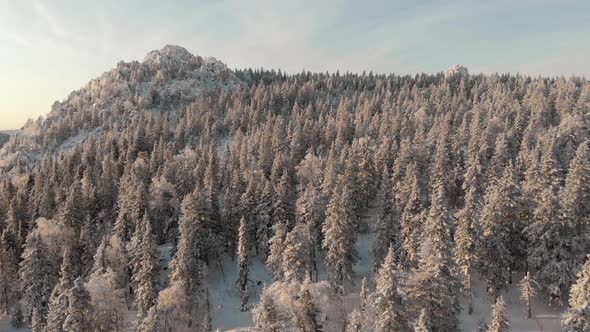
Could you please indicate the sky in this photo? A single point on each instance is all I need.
(49, 48)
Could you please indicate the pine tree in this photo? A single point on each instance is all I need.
(148, 273)
(309, 212)
(37, 324)
(107, 301)
(266, 315)
(436, 286)
(466, 233)
(356, 321)
(296, 254)
(576, 194)
(243, 263)
(577, 317)
(499, 321)
(497, 217)
(274, 261)
(423, 323)
(58, 302)
(339, 238)
(79, 309)
(387, 300)
(8, 271)
(186, 272)
(309, 311)
(552, 253)
(410, 229)
(36, 275)
(527, 292)
(150, 323)
(387, 227)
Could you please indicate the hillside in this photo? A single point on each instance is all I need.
(177, 194)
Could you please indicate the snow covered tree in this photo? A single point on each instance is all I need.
(310, 213)
(8, 271)
(79, 314)
(274, 260)
(296, 254)
(527, 292)
(410, 228)
(387, 300)
(552, 253)
(309, 310)
(37, 324)
(499, 320)
(243, 263)
(576, 194)
(151, 322)
(497, 217)
(577, 317)
(267, 317)
(339, 238)
(186, 270)
(436, 287)
(107, 300)
(36, 276)
(357, 321)
(423, 322)
(466, 233)
(148, 273)
(387, 226)
(58, 302)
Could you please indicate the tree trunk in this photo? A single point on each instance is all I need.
(470, 292)
(528, 306)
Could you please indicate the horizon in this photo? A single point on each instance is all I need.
(63, 47)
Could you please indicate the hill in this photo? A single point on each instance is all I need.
(177, 194)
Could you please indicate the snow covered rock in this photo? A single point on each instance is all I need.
(457, 70)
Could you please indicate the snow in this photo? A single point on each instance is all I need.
(457, 70)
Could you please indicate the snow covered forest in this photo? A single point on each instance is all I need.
(176, 194)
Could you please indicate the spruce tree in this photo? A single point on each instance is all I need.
(577, 317)
(499, 320)
(148, 272)
(410, 228)
(310, 312)
(274, 261)
(150, 323)
(387, 300)
(8, 271)
(527, 292)
(36, 276)
(387, 227)
(436, 286)
(497, 217)
(79, 312)
(296, 254)
(466, 233)
(243, 263)
(339, 238)
(58, 302)
(423, 322)
(266, 315)
(576, 193)
(552, 254)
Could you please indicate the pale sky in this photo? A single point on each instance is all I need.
(49, 48)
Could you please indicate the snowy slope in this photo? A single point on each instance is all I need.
(226, 301)
(167, 80)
